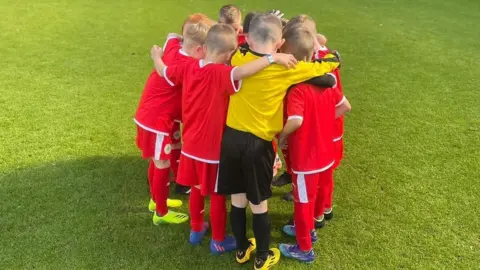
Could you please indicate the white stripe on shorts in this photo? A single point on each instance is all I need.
(158, 146)
(302, 188)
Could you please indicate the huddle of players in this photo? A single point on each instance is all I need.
(230, 115)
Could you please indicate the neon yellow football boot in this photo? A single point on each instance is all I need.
(170, 218)
(170, 203)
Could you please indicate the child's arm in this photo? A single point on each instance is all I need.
(295, 111)
(325, 81)
(293, 123)
(343, 107)
(157, 53)
(256, 66)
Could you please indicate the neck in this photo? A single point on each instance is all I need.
(190, 50)
(263, 48)
(214, 58)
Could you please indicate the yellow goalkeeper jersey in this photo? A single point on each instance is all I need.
(258, 107)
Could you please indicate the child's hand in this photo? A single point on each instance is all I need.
(277, 13)
(282, 142)
(286, 60)
(156, 52)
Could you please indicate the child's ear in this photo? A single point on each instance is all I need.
(280, 43)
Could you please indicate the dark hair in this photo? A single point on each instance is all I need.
(246, 21)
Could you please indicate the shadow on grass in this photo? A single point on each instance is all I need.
(92, 213)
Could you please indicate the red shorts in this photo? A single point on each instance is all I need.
(192, 172)
(338, 152)
(176, 135)
(305, 187)
(153, 145)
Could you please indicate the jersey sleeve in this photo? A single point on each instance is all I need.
(305, 71)
(172, 43)
(295, 103)
(174, 74)
(338, 96)
(225, 81)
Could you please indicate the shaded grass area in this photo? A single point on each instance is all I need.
(74, 191)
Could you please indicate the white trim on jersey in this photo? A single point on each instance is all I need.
(302, 189)
(158, 146)
(314, 171)
(184, 53)
(295, 117)
(341, 102)
(233, 82)
(149, 129)
(335, 77)
(201, 159)
(203, 64)
(166, 41)
(337, 139)
(177, 121)
(166, 78)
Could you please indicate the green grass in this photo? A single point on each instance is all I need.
(73, 188)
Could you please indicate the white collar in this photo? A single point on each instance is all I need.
(203, 64)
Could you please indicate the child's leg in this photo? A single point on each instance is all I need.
(160, 185)
(261, 228)
(197, 208)
(218, 216)
(151, 170)
(305, 191)
(324, 178)
(238, 220)
(176, 148)
(329, 193)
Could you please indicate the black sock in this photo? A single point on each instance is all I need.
(261, 229)
(238, 222)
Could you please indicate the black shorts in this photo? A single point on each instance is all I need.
(246, 166)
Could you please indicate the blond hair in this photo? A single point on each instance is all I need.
(195, 29)
(301, 20)
(230, 14)
(299, 42)
(221, 38)
(264, 27)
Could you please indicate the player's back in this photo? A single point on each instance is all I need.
(160, 100)
(311, 144)
(258, 107)
(204, 107)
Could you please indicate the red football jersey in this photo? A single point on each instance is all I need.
(338, 130)
(241, 39)
(310, 147)
(206, 91)
(160, 103)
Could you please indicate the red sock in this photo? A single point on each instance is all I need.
(218, 216)
(197, 207)
(323, 180)
(174, 160)
(160, 190)
(151, 168)
(329, 193)
(303, 225)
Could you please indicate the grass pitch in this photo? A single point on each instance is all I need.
(73, 188)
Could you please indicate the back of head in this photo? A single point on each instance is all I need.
(299, 42)
(221, 38)
(265, 28)
(301, 21)
(195, 29)
(230, 14)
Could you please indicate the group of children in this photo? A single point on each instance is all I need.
(228, 85)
